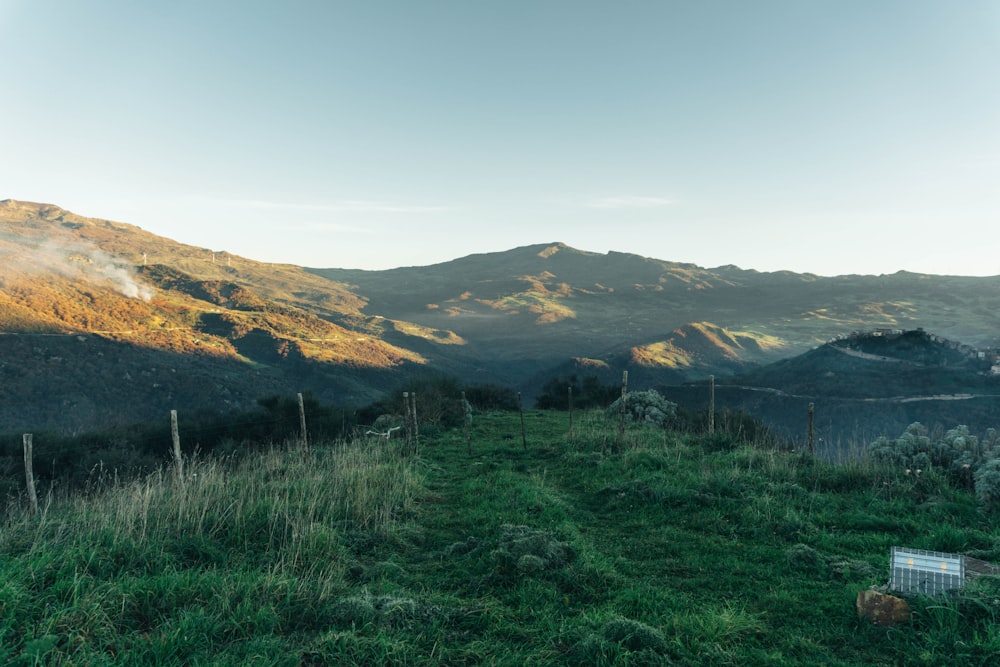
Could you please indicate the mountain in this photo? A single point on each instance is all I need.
(102, 322)
(532, 311)
(863, 385)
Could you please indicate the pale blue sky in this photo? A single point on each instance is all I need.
(847, 136)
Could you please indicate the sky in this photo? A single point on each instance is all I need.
(822, 136)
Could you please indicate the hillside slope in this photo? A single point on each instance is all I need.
(102, 322)
(517, 317)
(865, 385)
(656, 548)
(535, 306)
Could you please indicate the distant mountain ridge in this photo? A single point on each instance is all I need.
(181, 326)
(866, 384)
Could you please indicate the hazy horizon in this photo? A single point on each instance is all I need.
(826, 138)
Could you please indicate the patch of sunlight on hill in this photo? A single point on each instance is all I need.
(765, 342)
(548, 252)
(547, 306)
(584, 362)
(441, 336)
(718, 337)
(358, 351)
(662, 355)
(729, 342)
(822, 314)
(890, 310)
(695, 277)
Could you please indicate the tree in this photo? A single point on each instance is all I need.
(646, 407)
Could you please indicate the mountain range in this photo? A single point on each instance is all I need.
(103, 323)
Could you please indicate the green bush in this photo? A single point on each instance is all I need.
(959, 454)
(987, 482)
(587, 393)
(647, 407)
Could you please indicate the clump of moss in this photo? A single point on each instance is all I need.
(388, 611)
(527, 551)
(803, 557)
(622, 639)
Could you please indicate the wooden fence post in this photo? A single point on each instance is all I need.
(302, 424)
(524, 434)
(621, 426)
(812, 409)
(711, 404)
(466, 420)
(416, 424)
(569, 403)
(406, 420)
(29, 476)
(176, 437)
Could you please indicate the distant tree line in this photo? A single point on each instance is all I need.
(64, 461)
(75, 461)
(588, 393)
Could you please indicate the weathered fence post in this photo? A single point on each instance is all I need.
(524, 434)
(711, 404)
(406, 420)
(621, 425)
(416, 424)
(176, 437)
(466, 420)
(569, 403)
(29, 476)
(302, 424)
(812, 409)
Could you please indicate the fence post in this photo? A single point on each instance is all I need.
(302, 424)
(467, 419)
(569, 403)
(812, 409)
(621, 426)
(524, 434)
(176, 437)
(711, 404)
(29, 475)
(406, 420)
(416, 424)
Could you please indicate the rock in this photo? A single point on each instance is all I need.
(882, 609)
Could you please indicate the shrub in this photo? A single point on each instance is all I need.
(987, 482)
(491, 397)
(646, 407)
(527, 551)
(587, 393)
(634, 635)
(959, 455)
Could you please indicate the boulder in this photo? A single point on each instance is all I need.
(882, 609)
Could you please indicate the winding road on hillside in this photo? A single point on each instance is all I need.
(890, 399)
(873, 357)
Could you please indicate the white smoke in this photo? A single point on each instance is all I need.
(122, 276)
(72, 260)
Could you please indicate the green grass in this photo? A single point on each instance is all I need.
(659, 548)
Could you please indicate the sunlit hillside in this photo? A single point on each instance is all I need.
(515, 318)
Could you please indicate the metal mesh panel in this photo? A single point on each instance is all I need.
(925, 572)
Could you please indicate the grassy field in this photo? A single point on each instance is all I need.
(655, 548)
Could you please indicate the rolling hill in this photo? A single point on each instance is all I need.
(864, 385)
(102, 322)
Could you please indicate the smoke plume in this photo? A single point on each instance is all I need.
(20, 255)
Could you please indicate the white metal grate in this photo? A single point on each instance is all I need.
(925, 572)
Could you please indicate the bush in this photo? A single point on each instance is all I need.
(987, 483)
(491, 397)
(588, 393)
(528, 551)
(959, 455)
(646, 407)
